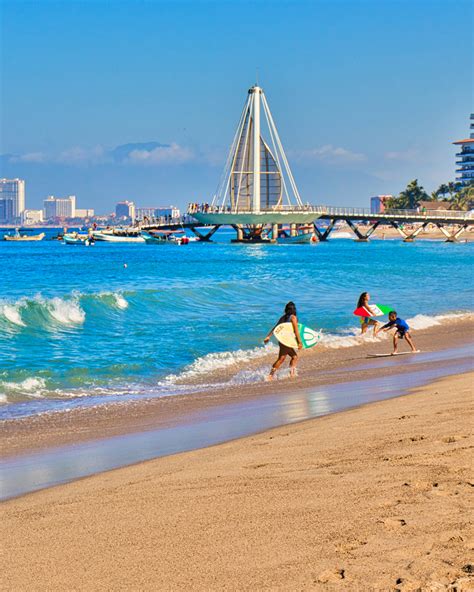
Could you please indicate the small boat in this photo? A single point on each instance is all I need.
(162, 237)
(304, 237)
(78, 239)
(118, 235)
(23, 237)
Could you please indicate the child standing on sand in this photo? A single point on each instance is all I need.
(403, 331)
(288, 317)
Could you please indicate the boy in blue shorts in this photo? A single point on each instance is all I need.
(403, 331)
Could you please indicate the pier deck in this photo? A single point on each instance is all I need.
(205, 223)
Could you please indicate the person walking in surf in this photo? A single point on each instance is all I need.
(366, 322)
(288, 317)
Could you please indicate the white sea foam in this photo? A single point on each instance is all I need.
(217, 361)
(12, 313)
(66, 312)
(116, 299)
(120, 301)
(423, 321)
(346, 338)
(31, 387)
(3, 399)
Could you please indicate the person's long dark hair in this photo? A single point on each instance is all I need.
(362, 297)
(290, 308)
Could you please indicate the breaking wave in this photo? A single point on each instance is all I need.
(12, 313)
(67, 310)
(30, 387)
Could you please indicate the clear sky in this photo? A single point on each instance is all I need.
(140, 100)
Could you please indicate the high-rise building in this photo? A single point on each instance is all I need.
(465, 158)
(6, 210)
(12, 199)
(125, 209)
(59, 207)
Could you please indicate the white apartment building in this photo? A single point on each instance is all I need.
(32, 217)
(59, 207)
(12, 199)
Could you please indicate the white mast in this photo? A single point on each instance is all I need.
(251, 160)
(256, 148)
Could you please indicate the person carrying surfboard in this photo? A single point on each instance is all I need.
(403, 331)
(288, 317)
(366, 322)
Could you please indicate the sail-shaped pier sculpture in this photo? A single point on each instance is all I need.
(257, 187)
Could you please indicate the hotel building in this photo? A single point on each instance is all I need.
(125, 209)
(12, 199)
(465, 158)
(59, 207)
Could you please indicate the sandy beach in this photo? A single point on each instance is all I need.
(374, 498)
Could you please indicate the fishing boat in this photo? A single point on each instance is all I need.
(162, 237)
(304, 236)
(119, 235)
(23, 237)
(78, 239)
(299, 239)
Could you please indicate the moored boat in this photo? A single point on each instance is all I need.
(119, 235)
(78, 239)
(305, 236)
(163, 237)
(23, 237)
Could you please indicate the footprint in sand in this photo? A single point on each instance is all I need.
(394, 523)
(452, 439)
(331, 575)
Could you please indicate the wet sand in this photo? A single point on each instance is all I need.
(319, 366)
(373, 498)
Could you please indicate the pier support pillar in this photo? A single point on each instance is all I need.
(292, 229)
(323, 235)
(240, 232)
(362, 238)
(453, 236)
(274, 231)
(204, 237)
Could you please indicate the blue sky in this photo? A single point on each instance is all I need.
(366, 94)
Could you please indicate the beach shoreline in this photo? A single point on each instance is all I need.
(319, 504)
(318, 367)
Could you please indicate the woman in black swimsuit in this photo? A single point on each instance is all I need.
(288, 317)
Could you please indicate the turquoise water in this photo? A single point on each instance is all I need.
(91, 325)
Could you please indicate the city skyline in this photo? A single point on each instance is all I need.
(349, 97)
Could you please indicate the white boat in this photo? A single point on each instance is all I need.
(163, 237)
(118, 236)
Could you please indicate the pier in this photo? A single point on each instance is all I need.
(258, 196)
(266, 225)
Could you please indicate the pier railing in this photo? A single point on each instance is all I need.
(366, 213)
(336, 212)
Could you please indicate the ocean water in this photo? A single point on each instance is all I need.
(107, 324)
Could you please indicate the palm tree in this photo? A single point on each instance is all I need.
(463, 199)
(440, 192)
(412, 196)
